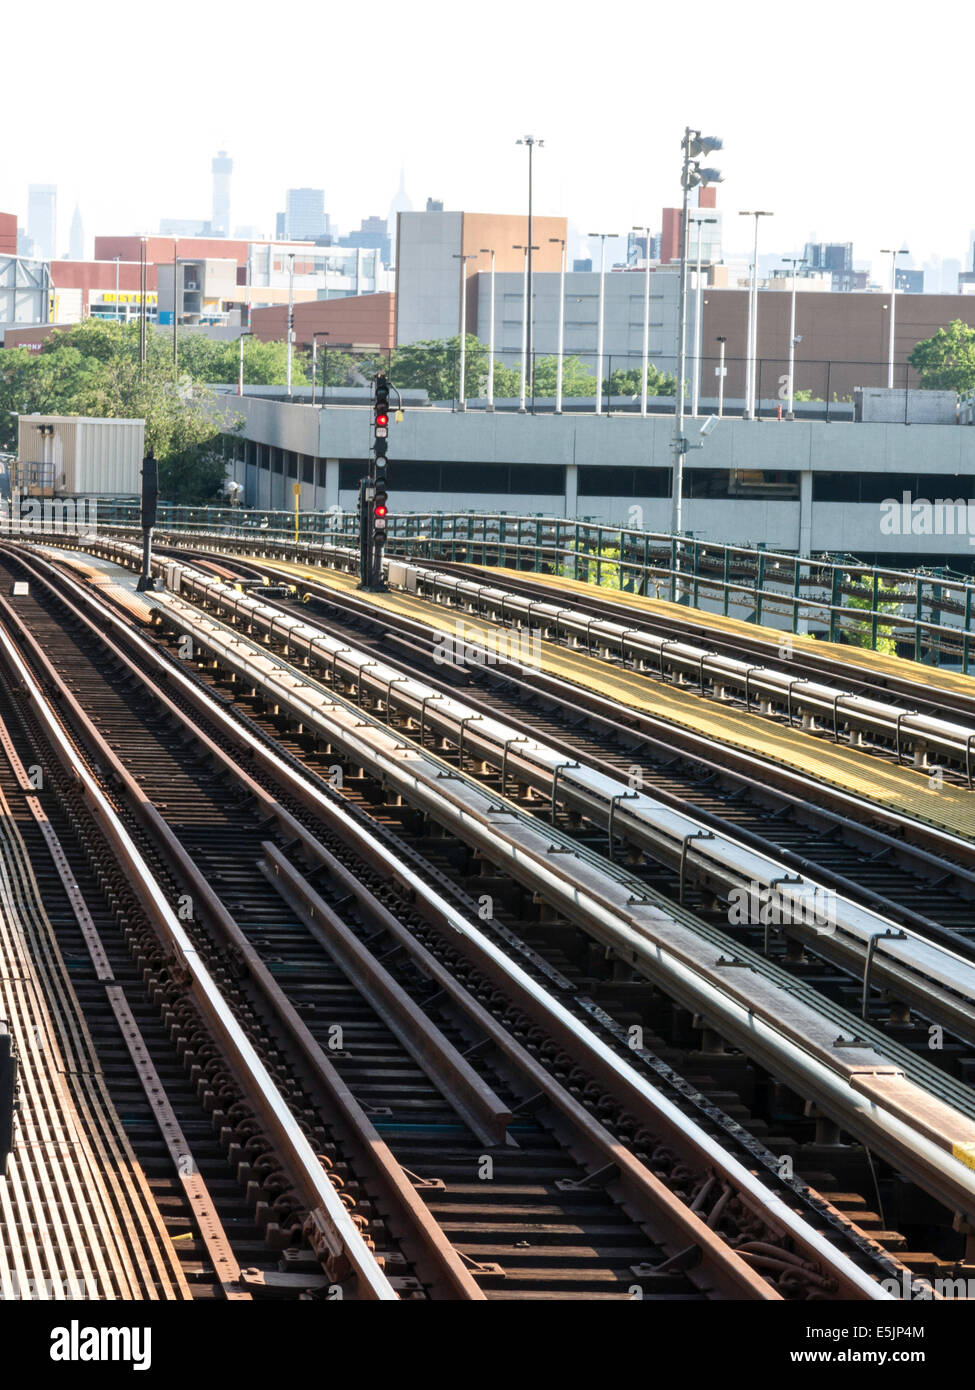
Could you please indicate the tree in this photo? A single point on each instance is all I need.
(434, 366)
(626, 381)
(93, 368)
(946, 361)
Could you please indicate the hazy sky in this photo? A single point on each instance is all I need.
(848, 120)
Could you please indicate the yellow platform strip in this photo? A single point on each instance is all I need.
(873, 662)
(965, 1153)
(951, 808)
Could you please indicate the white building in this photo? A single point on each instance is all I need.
(222, 167)
(25, 290)
(42, 219)
(623, 316)
(305, 217)
(329, 272)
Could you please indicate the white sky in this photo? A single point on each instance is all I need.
(848, 120)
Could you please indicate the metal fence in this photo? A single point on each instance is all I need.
(823, 388)
(925, 615)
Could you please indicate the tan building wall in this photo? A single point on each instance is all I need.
(844, 338)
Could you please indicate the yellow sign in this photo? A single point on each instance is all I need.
(127, 297)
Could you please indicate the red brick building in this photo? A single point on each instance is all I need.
(367, 318)
(8, 234)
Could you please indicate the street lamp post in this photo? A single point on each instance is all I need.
(524, 332)
(795, 262)
(561, 349)
(698, 335)
(751, 350)
(247, 333)
(462, 391)
(531, 142)
(887, 251)
(175, 305)
(602, 315)
(646, 321)
(721, 372)
(314, 364)
(489, 251)
(692, 176)
(117, 259)
(291, 312)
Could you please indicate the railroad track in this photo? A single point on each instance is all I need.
(537, 706)
(606, 1234)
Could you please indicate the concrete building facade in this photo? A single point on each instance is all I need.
(428, 270)
(803, 486)
(623, 314)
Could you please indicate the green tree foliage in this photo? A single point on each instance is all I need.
(93, 368)
(434, 367)
(626, 381)
(859, 633)
(946, 361)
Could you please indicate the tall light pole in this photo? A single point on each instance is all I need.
(646, 321)
(117, 259)
(291, 312)
(531, 142)
(322, 333)
(175, 305)
(560, 357)
(694, 144)
(247, 333)
(489, 251)
(462, 392)
(751, 351)
(698, 334)
(721, 372)
(886, 251)
(795, 262)
(602, 315)
(524, 331)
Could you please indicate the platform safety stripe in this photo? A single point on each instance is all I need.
(965, 1153)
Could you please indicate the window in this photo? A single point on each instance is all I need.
(617, 481)
(874, 488)
(756, 483)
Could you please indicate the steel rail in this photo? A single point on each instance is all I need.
(639, 1090)
(930, 976)
(617, 910)
(336, 1227)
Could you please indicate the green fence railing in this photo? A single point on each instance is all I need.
(922, 614)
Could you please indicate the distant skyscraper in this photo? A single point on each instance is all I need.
(372, 235)
(304, 214)
(42, 219)
(222, 167)
(401, 203)
(76, 246)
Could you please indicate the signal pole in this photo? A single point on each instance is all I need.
(373, 498)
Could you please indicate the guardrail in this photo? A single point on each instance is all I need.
(924, 615)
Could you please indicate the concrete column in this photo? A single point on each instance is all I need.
(331, 483)
(804, 539)
(571, 490)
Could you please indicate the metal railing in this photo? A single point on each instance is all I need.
(925, 615)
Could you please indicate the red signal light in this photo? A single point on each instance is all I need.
(380, 511)
(382, 419)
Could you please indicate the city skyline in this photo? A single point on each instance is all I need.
(795, 108)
